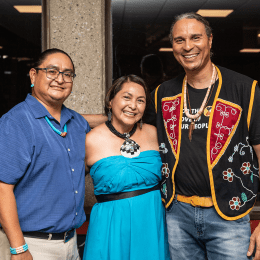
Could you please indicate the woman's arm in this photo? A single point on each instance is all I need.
(95, 120)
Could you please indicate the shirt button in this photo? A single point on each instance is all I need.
(76, 213)
(73, 170)
(69, 149)
(76, 191)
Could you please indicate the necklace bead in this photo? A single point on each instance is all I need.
(129, 148)
(195, 117)
(198, 114)
(63, 134)
(115, 132)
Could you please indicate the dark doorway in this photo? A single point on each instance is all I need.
(20, 42)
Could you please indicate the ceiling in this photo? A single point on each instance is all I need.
(162, 11)
(142, 27)
(154, 17)
(149, 19)
(19, 31)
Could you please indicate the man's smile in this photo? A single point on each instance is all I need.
(189, 56)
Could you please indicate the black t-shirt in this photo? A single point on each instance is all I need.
(191, 176)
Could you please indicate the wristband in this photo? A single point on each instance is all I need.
(19, 250)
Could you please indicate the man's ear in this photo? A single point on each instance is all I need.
(210, 40)
(32, 74)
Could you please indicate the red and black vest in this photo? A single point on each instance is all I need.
(232, 163)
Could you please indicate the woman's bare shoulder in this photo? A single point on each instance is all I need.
(150, 130)
(148, 137)
(96, 134)
(98, 129)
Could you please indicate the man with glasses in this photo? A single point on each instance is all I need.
(42, 176)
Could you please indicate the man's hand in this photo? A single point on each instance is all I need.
(23, 256)
(255, 242)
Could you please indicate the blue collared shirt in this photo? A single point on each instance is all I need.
(48, 170)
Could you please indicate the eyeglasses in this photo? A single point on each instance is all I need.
(52, 73)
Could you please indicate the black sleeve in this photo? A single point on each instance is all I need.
(150, 113)
(254, 129)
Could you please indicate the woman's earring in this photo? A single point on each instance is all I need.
(141, 123)
(109, 114)
(32, 85)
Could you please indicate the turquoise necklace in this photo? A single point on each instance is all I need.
(63, 134)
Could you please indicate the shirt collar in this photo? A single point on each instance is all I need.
(39, 111)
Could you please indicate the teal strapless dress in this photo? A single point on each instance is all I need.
(132, 228)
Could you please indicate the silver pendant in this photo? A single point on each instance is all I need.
(130, 148)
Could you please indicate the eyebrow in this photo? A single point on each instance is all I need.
(132, 95)
(193, 35)
(196, 34)
(179, 37)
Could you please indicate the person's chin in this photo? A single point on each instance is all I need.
(129, 121)
(59, 95)
(192, 66)
(58, 98)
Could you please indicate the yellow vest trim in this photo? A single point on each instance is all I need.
(251, 103)
(155, 98)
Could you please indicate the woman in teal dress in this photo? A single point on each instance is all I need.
(128, 222)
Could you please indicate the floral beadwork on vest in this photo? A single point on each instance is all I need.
(165, 174)
(224, 123)
(171, 107)
(247, 170)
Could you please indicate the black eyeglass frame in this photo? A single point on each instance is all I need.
(60, 72)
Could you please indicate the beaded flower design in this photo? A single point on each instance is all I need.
(228, 175)
(235, 203)
(165, 170)
(246, 168)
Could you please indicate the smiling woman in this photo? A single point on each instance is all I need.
(127, 100)
(126, 171)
